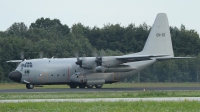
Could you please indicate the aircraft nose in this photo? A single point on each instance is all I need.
(15, 76)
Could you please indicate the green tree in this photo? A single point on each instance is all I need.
(17, 29)
(51, 26)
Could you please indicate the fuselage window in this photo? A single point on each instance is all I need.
(51, 74)
(58, 75)
(63, 74)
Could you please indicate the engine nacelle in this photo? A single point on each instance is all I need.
(78, 78)
(88, 63)
(110, 61)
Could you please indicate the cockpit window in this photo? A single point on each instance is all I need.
(22, 65)
(28, 64)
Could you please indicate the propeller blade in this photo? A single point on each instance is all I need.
(84, 57)
(41, 54)
(95, 54)
(102, 53)
(98, 59)
(79, 61)
(22, 55)
(76, 54)
(103, 69)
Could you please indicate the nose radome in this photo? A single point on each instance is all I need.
(15, 76)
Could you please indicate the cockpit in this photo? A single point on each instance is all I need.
(26, 65)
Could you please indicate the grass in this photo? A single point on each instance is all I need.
(140, 106)
(69, 95)
(120, 106)
(114, 85)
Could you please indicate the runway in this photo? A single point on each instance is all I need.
(105, 99)
(99, 90)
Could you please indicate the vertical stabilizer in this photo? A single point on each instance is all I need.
(159, 39)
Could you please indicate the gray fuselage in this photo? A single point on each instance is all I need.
(59, 71)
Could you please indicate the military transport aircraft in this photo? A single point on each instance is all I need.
(98, 70)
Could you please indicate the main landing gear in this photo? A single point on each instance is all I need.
(29, 86)
(72, 86)
(90, 86)
(99, 86)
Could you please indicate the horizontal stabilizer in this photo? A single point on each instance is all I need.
(167, 58)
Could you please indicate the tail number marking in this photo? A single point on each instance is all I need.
(160, 34)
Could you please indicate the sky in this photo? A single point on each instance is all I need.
(101, 12)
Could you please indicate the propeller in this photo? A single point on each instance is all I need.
(98, 60)
(78, 62)
(22, 55)
(41, 54)
(90, 63)
(95, 54)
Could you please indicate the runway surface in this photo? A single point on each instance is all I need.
(105, 99)
(99, 90)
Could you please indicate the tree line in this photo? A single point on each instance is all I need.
(58, 40)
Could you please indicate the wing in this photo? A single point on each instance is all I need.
(14, 61)
(132, 58)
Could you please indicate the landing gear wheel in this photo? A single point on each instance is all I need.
(90, 86)
(82, 86)
(73, 86)
(29, 86)
(99, 86)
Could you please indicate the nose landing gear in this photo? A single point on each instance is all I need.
(29, 86)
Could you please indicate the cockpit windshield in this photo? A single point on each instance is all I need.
(25, 65)
(28, 64)
(22, 65)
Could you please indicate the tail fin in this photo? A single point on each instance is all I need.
(159, 39)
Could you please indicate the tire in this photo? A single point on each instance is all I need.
(99, 86)
(82, 86)
(72, 86)
(90, 86)
(29, 86)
